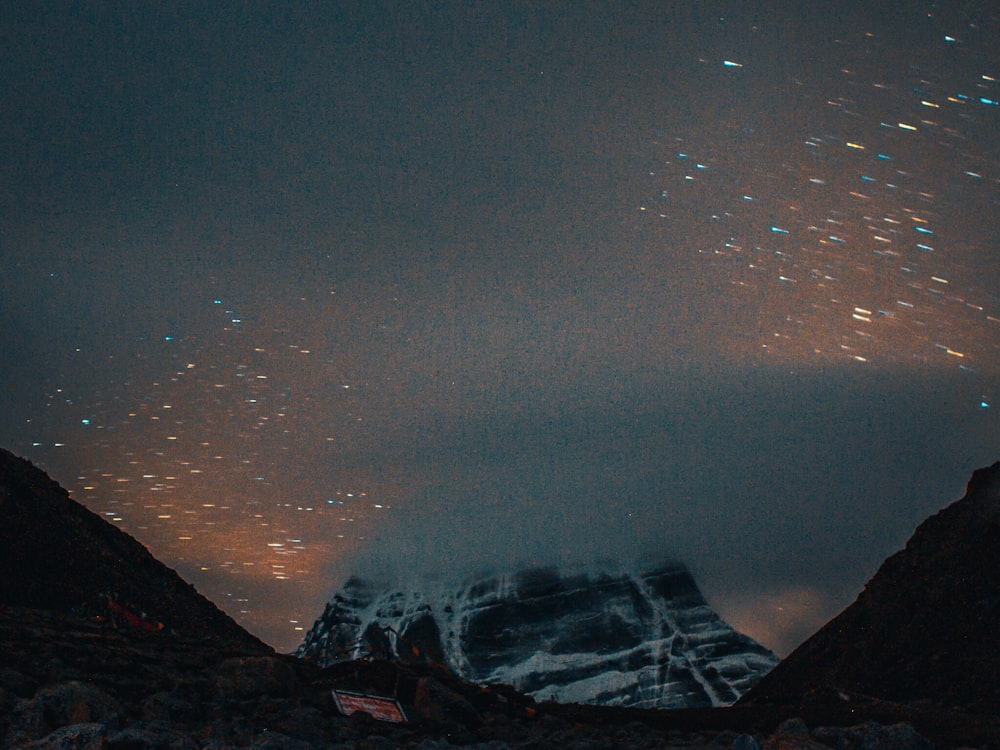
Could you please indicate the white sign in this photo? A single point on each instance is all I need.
(378, 707)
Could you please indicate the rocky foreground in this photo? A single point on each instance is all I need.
(72, 682)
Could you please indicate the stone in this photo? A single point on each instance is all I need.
(268, 740)
(874, 736)
(16, 683)
(436, 703)
(149, 737)
(164, 707)
(254, 676)
(746, 742)
(793, 734)
(88, 736)
(62, 705)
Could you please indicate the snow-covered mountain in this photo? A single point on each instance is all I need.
(642, 639)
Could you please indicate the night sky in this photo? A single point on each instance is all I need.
(290, 290)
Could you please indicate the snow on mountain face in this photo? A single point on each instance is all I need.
(645, 640)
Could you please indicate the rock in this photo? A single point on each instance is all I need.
(306, 723)
(432, 744)
(240, 678)
(62, 705)
(7, 702)
(165, 706)
(436, 703)
(149, 737)
(16, 683)
(276, 741)
(793, 734)
(89, 736)
(378, 742)
(746, 742)
(874, 736)
(420, 641)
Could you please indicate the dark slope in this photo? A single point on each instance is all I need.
(57, 555)
(925, 629)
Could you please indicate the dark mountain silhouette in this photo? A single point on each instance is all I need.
(925, 629)
(57, 555)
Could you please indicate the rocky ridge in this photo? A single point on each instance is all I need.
(57, 555)
(627, 638)
(926, 628)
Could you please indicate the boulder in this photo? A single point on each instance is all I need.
(240, 678)
(436, 703)
(149, 737)
(793, 734)
(874, 736)
(62, 705)
(88, 736)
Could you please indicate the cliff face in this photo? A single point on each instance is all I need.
(630, 639)
(927, 625)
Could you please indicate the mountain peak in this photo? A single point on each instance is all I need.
(926, 627)
(986, 480)
(642, 638)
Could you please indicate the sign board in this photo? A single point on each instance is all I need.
(378, 707)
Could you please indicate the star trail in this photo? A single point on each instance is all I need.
(866, 229)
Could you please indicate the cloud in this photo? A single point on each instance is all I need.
(781, 618)
(761, 481)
